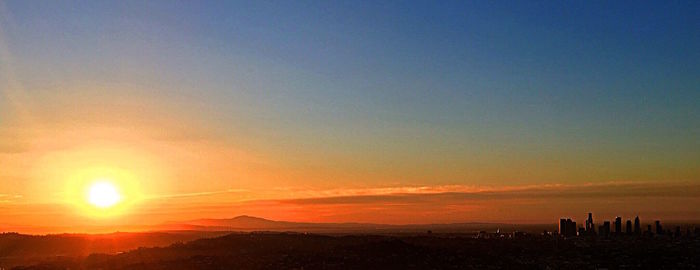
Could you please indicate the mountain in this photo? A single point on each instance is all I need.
(244, 222)
(250, 223)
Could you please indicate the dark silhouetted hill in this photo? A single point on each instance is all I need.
(310, 251)
(19, 248)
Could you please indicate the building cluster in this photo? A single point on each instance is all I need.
(568, 228)
(502, 235)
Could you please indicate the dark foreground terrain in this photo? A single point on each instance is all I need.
(310, 251)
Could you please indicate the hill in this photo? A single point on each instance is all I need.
(20, 248)
(249, 223)
(311, 251)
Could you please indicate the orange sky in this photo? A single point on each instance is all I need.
(176, 167)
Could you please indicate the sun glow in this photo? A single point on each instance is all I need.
(103, 194)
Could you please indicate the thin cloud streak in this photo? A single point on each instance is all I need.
(197, 194)
(10, 198)
(419, 193)
(589, 190)
(398, 205)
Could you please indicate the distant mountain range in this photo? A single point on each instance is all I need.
(249, 223)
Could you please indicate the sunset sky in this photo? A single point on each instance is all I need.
(339, 111)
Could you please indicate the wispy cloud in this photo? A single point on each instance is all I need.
(526, 204)
(9, 198)
(197, 194)
(449, 203)
(456, 192)
(465, 192)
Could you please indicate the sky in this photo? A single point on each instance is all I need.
(334, 111)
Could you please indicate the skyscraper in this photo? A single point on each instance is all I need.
(567, 227)
(618, 225)
(562, 226)
(605, 229)
(589, 224)
(628, 227)
(659, 230)
(637, 226)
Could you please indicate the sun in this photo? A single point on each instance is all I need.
(103, 194)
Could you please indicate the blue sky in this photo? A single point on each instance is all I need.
(595, 85)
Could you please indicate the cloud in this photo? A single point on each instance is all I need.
(197, 194)
(456, 192)
(510, 204)
(9, 198)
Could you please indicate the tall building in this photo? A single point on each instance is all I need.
(567, 227)
(659, 230)
(637, 226)
(589, 224)
(618, 225)
(562, 226)
(604, 230)
(628, 227)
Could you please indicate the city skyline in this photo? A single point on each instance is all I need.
(568, 227)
